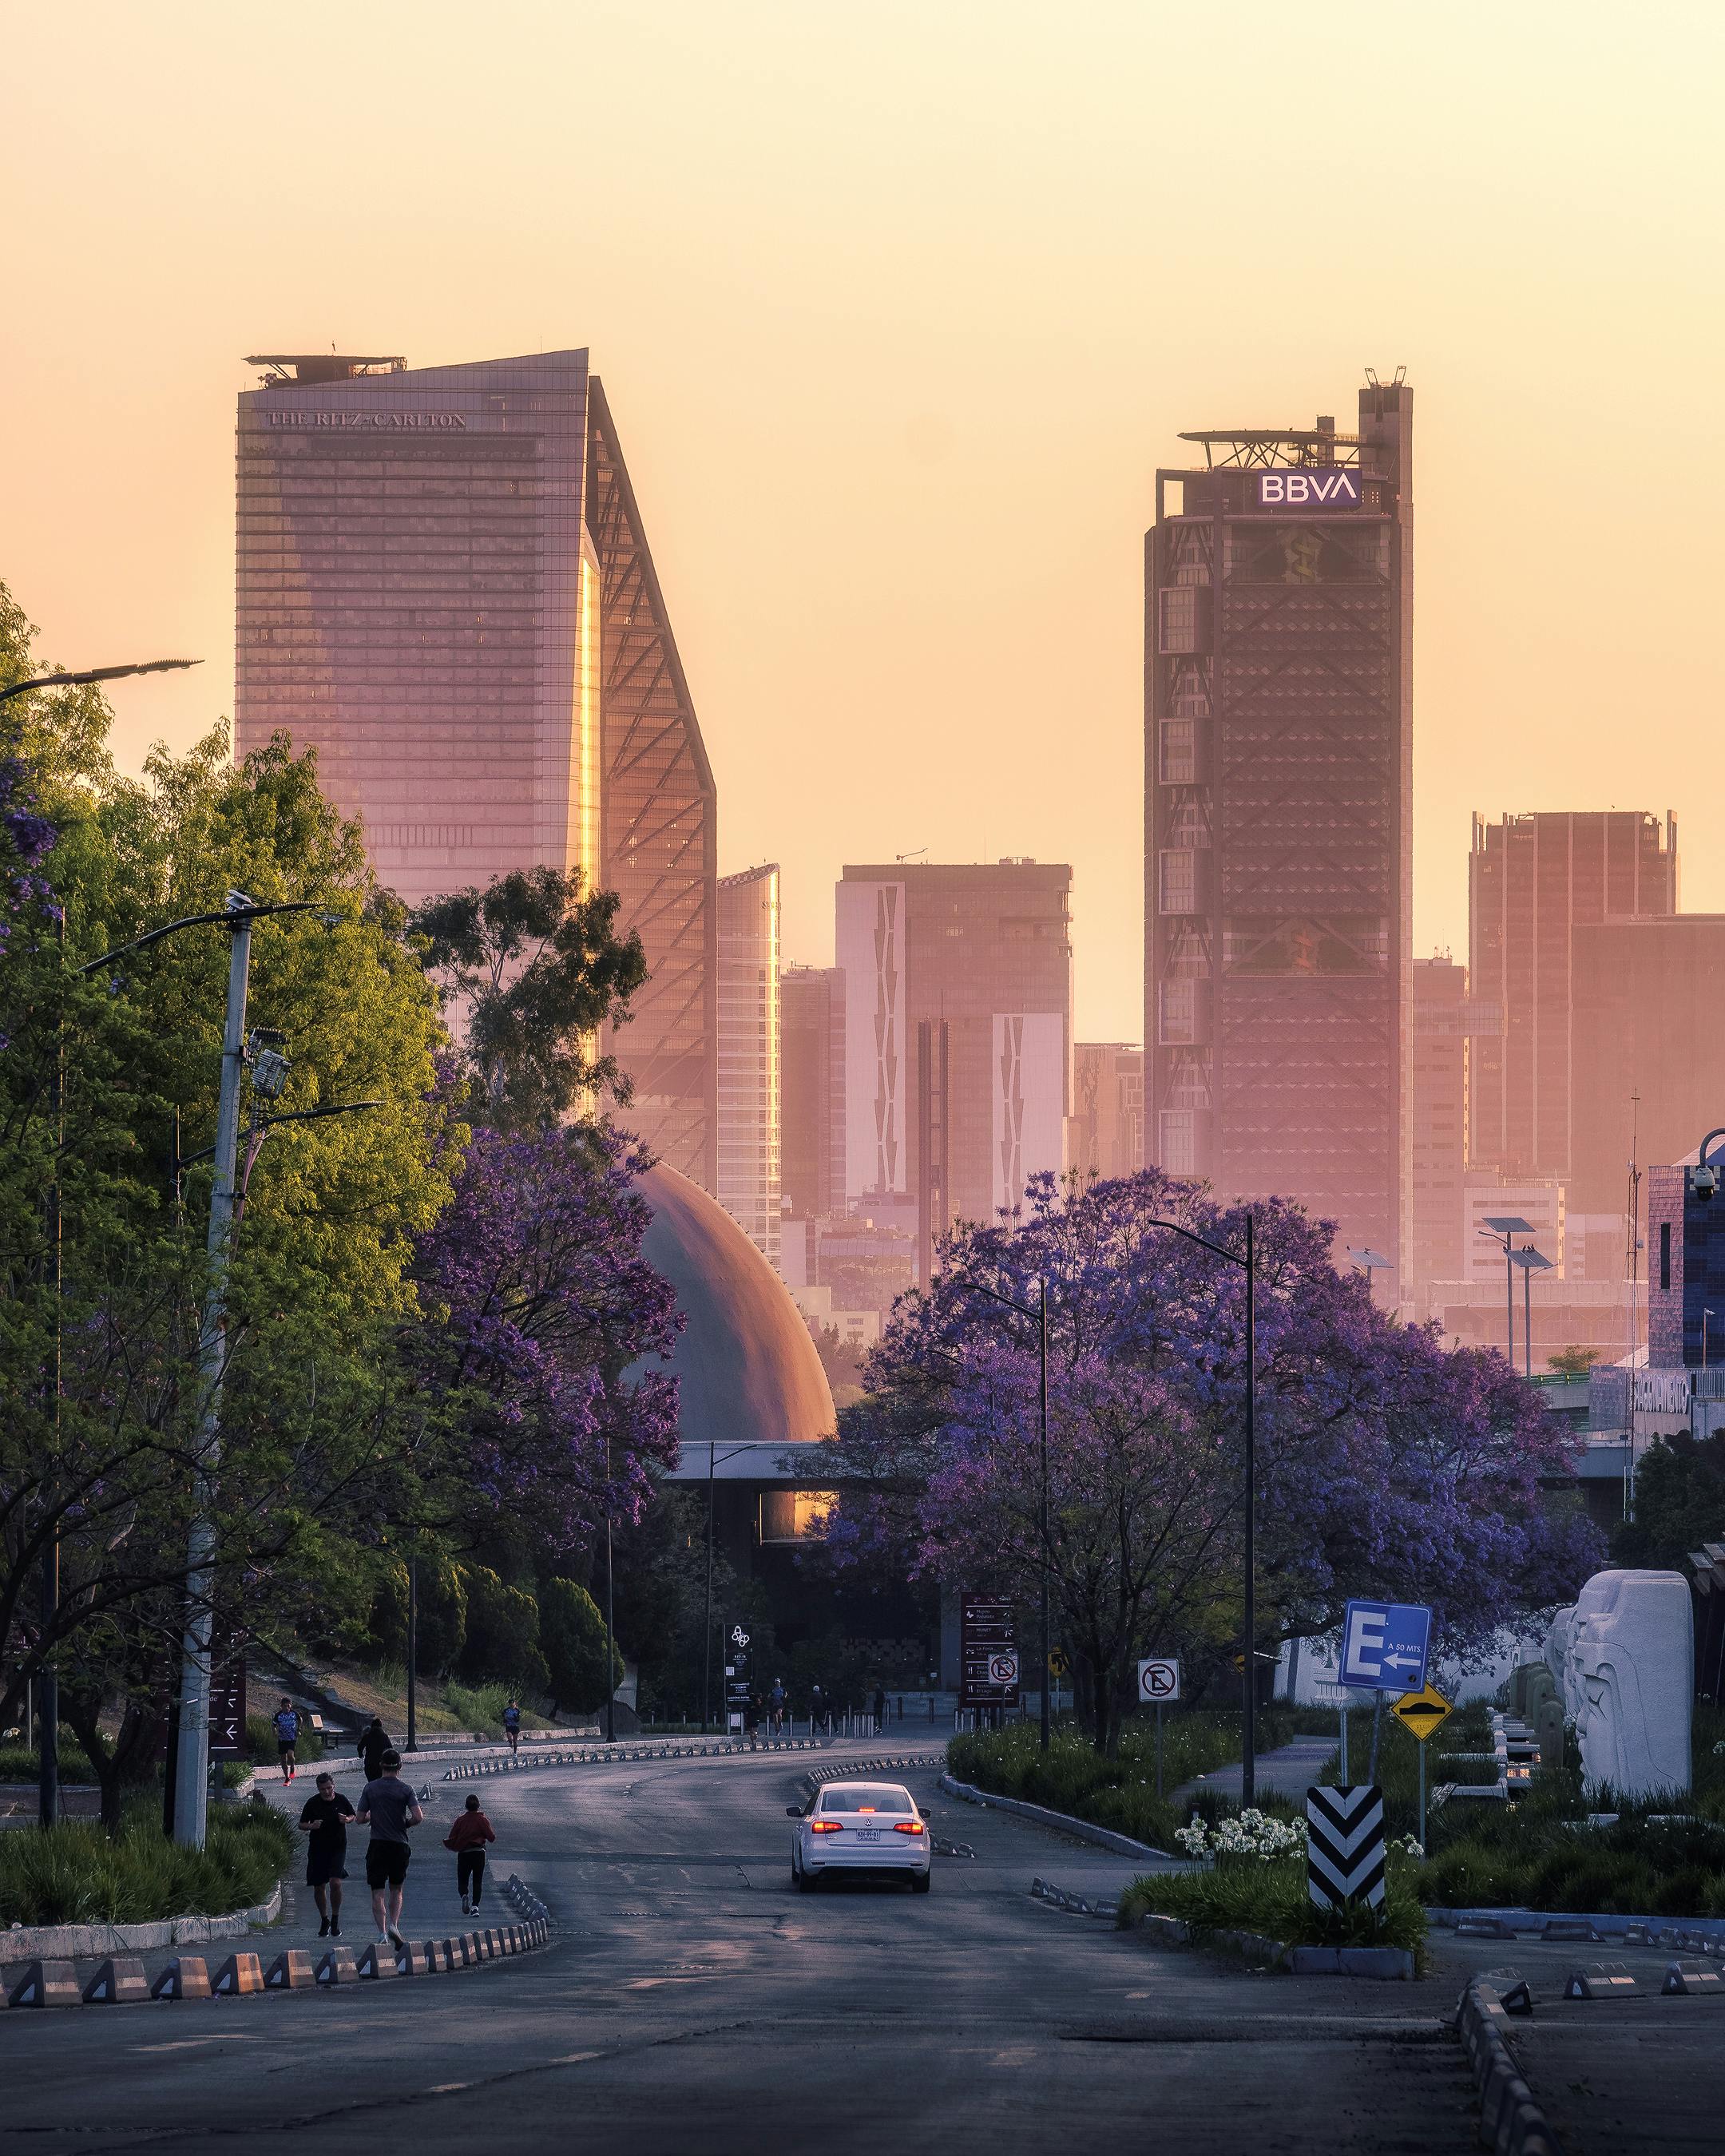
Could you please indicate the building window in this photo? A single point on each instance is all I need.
(1181, 617)
(1178, 883)
(1664, 1254)
(796, 1516)
(1179, 753)
(1178, 1129)
(1177, 1012)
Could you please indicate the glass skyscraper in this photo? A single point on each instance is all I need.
(445, 587)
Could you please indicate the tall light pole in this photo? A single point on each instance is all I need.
(97, 674)
(1040, 1312)
(1528, 1261)
(1248, 1748)
(1508, 1225)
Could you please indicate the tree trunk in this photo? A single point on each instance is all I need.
(118, 1766)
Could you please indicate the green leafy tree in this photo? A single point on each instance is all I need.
(535, 967)
(502, 1641)
(572, 1634)
(441, 1609)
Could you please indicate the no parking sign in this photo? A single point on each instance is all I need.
(1160, 1681)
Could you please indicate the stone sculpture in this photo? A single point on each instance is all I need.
(1623, 1657)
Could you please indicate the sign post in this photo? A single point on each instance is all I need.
(1159, 1687)
(1423, 1711)
(988, 1653)
(737, 1677)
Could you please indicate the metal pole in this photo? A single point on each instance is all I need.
(610, 1633)
(1527, 1321)
(1343, 1712)
(707, 1631)
(1042, 1307)
(47, 1758)
(1509, 1300)
(412, 1651)
(1422, 1796)
(1249, 1755)
(191, 1782)
(1158, 1752)
(47, 1771)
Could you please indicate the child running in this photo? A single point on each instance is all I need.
(468, 1838)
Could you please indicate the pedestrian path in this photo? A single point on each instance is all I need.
(1289, 1771)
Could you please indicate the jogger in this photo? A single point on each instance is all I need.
(468, 1838)
(390, 1809)
(324, 1822)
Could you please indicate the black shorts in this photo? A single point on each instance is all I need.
(387, 1864)
(284, 1745)
(324, 1864)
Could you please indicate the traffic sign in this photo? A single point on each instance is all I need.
(1003, 1669)
(988, 1644)
(1423, 1711)
(1383, 1645)
(1058, 1664)
(1159, 1681)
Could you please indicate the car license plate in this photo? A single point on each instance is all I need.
(868, 1834)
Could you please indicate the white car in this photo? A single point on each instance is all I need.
(861, 1827)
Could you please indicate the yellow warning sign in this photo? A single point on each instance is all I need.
(1423, 1711)
(1058, 1665)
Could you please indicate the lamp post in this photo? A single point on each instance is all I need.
(1529, 1261)
(713, 1462)
(1040, 1312)
(1246, 1261)
(97, 674)
(1368, 1262)
(1508, 1225)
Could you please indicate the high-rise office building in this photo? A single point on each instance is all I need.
(1439, 1136)
(811, 1090)
(748, 1187)
(1106, 1136)
(1533, 880)
(957, 1018)
(1278, 887)
(444, 587)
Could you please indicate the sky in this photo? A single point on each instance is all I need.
(898, 309)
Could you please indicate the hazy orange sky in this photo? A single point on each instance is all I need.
(898, 309)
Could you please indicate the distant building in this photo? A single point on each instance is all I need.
(1105, 1137)
(748, 1184)
(1533, 882)
(1648, 1021)
(811, 1090)
(444, 585)
(1439, 1134)
(1279, 766)
(983, 951)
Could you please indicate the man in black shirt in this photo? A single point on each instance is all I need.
(324, 1822)
(373, 1743)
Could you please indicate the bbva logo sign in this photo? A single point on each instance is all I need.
(1327, 487)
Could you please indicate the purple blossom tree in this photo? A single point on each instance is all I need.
(542, 1323)
(1385, 1462)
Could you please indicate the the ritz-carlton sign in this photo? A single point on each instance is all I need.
(388, 421)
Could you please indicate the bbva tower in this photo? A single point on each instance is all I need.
(445, 587)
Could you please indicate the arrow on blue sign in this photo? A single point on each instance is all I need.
(1383, 1645)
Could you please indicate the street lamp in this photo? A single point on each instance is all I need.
(1369, 1262)
(97, 674)
(1530, 1261)
(1508, 1225)
(1249, 1659)
(1041, 1314)
(1705, 1316)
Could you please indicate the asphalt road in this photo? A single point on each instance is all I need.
(691, 2000)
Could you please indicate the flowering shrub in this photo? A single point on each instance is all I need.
(1251, 1833)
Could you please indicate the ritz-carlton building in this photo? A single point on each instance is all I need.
(1278, 824)
(445, 587)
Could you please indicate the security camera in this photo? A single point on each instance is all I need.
(1703, 1182)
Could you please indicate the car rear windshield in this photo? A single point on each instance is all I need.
(858, 1797)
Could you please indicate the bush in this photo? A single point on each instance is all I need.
(502, 1641)
(23, 1764)
(74, 1875)
(1244, 1894)
(572, 1636)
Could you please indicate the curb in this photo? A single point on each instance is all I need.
(1104, 1837)
(67, 1942)
(1392, 1964)
(1702, 1935)
(605, 1754)
(121, 1981)
(1511, 2121)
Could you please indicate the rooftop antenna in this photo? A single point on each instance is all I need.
(916, 854)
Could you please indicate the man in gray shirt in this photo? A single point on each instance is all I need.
(390, 1809)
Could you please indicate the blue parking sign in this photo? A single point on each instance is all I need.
(1383, 1645)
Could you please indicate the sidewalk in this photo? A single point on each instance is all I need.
(1288, 1772)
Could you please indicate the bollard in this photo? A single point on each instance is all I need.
(239, 1977)
(117, 1983)
(375, 1963)
(290, 1971)
(46, 1983)
(338, 1966)
(186, 1977)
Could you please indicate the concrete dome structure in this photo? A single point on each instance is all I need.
(749, 1372)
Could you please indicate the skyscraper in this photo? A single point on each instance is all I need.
(1106, 1137)
(811, 1090)
(1279, 588)
(748, 1054)
(1439, 1136)
(1532, 881)
(984, 951)
(444, 587)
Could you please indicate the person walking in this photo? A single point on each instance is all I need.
(324, 1823)
(373, 1743)
(775, 1702)
(512, 1726)
(880, 1709)
(390, 1809)
(817, 1707)
(468, 1838)
(285, 1722)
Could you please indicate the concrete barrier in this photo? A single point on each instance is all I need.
(338, 1966)
(1511, 2120)
(291, 1971)
(377, 1963)
(186, 1977)
(119, 1982)
(46, 1983)
(239, 1977)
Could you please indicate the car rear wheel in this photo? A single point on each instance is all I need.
(921, 1882)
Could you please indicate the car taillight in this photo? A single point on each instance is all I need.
(828, 1826)
(907, 1827)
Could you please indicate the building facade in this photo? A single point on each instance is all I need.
(1279, 588)
(444, 587)
(1534, 881)
(1106, 1136)
(1438, 1141)
(958, 1017)
(811, 1090)
(749, 1072)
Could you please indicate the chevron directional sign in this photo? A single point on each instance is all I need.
(1344, 1846)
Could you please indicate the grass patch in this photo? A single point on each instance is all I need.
(21, 1763)
(74, 1875)
(1119, 1792)
(1247, 1895)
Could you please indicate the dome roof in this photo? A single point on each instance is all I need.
(749, 1371)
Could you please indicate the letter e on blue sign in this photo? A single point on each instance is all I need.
(1384, 1644)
